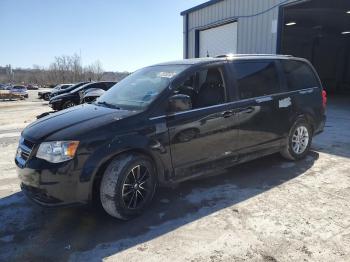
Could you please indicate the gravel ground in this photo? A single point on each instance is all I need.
(266, 210)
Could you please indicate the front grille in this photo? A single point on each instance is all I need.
(25, 155)
(25, 148)
(28, 143)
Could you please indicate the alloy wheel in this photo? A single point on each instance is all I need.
(300, 140)
(70, 104)
(136, 187)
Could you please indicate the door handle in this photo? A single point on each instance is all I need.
(247, 110)
(227, 114)
(264, 99)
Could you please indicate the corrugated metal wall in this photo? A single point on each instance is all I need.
(256, 33)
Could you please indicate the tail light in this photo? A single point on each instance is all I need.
(324, 99)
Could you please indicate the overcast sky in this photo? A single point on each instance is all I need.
(123, 35)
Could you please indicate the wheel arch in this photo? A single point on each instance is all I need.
(308, 118)
(97, 177)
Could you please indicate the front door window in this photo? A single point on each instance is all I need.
(206, 88)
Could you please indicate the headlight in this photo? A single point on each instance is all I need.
(57, 151)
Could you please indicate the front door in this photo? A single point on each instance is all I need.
(204, 138)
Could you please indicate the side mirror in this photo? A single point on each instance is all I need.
(180, 102)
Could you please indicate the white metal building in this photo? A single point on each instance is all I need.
(318, 30)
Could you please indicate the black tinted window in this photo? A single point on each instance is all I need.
(100, 85)
(109, 85)
(256, 78)
(94, 85)
(205, 88)
(299, 75)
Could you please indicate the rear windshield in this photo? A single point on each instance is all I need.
(299, 75)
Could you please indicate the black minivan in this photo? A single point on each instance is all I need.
(167, 123)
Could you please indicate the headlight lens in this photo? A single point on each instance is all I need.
(57, 151)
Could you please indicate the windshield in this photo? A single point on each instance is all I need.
(69, 88)
(81, 87)
(65, 86)
(139, 89)
(58, 87)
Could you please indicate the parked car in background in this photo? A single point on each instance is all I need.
(91, 95)
(19, 90)
(32, 87)
(74, 97)
(60, 91)
(46, 94)
(5, 86)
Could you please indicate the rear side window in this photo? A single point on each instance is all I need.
(103, 86)
(95, 85)
(299, 75)
(256, 79)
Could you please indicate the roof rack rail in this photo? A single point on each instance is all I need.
(237, 55)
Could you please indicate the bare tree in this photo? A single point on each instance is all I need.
(64, 69)
(93, 72)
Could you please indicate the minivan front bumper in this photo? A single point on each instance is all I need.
(58, 186)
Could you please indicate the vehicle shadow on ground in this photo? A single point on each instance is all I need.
(59, 234)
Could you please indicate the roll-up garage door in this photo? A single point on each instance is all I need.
(218, 40)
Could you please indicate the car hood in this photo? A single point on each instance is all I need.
(88, 116)
(61, 96)
(59, 92)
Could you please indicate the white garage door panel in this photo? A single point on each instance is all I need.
(218, 40)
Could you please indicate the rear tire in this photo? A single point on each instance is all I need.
(128, 186)
(298, 141)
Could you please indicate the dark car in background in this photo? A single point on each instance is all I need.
(32, 87)
(74, 97)
(66, 90)
(168, 123)
(46, 94)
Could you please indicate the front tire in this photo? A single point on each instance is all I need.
(298, 141)
(68, 104)
(128, 186)
(46, 97)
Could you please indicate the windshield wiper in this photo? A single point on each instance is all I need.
(107, 104)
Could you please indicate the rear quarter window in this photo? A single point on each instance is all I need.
(256, 79)
(299, 75)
